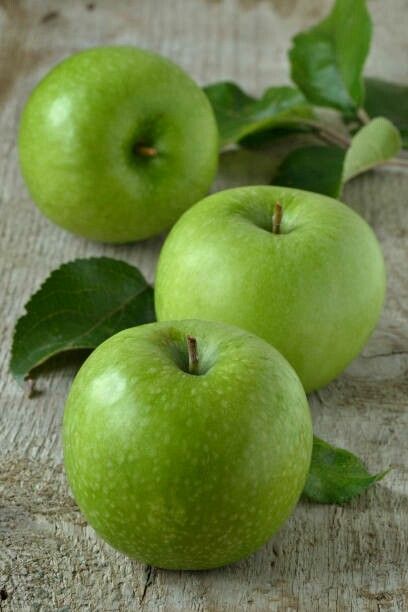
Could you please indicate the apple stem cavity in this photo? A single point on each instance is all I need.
(192, 355)
(277, 218)
(146, 151)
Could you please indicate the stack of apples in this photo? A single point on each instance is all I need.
(187, 442)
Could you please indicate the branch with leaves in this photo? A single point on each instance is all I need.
(327, 64)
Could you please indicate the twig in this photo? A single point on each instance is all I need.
(329, 135)
(363, 116)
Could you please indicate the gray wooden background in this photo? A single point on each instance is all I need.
(325, 558)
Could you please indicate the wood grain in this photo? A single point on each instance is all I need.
(325, 558)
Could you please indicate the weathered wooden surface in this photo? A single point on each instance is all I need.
(325, 558)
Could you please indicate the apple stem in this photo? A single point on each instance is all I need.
(146, 151)
(192, 355)
(277, 218)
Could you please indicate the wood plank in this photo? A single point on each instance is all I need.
(325, 558)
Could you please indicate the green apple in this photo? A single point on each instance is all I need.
(116, 143)
(313, 288)
(186, 444)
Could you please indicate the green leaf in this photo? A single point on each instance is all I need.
(273, 135)
(336, 475)
(79, 305)
(374, 144)
(388, 100)
(327, 60)
(313, 168)
(239, 115)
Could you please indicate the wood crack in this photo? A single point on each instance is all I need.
(385, 354)
(149, 576)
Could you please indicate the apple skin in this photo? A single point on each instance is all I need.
(314, 291)
(186, 471)
(77, 140)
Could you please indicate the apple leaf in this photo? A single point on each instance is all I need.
(313, 168)
(327, 60)
(79, 305)
(388, 100)
(271, 136)
(239, 115)
(374, 144)
(336, 475)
